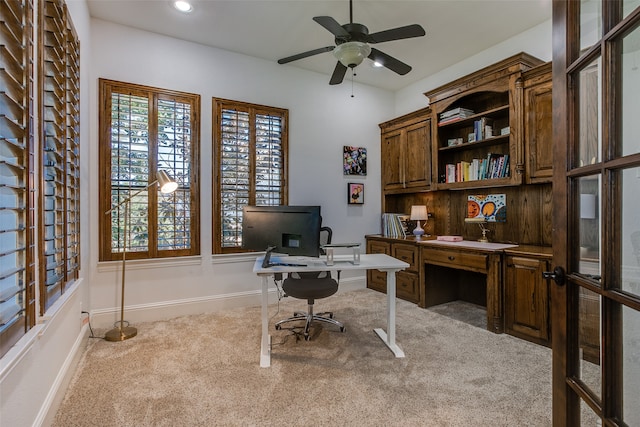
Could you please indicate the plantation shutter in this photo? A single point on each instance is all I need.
(17, 204)
(250, 142)
(59, 105)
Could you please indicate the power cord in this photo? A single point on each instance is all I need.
(92, 335)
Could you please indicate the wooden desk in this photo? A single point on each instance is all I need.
(471, 256)
(380, 262)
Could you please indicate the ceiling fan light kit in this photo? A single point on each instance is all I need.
(352, 46)
(351, 54)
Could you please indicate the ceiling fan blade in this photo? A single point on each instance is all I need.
(305, 54)
(338, 74)
(399, 33)
(332, 25)
(389, 62)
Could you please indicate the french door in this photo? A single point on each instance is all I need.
(595, 299)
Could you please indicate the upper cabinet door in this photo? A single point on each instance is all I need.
(418, 155)
(406, 152)
(391, 154)
(538, 136)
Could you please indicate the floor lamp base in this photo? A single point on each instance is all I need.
(121, 334)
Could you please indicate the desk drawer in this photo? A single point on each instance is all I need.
(407, 286)
(377, 280)
(377, 247)
(456, 259)
(408, 254)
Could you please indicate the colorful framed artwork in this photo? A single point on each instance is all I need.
(354, 160)
(355, 193)
(491, 207)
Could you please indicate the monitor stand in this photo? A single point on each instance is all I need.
(266, 262)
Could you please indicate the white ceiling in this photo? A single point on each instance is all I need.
(274, 29)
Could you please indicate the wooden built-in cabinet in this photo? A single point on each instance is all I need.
(406, 152)
(526, 293)
(506, 108)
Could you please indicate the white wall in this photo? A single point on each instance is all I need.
(535, 41)
(323, 118)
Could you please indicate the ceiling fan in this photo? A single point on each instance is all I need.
(352, 45)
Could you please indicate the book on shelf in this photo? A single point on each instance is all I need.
(483, 128)
(492, 167)
(459, 111)
(454, 115)
(395, 225)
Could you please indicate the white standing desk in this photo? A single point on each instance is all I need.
(380, 262)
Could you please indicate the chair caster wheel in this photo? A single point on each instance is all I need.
(342, 329)
(278, 327)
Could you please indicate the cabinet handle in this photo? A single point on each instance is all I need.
(451, 257)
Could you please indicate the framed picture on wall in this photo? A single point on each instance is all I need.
(355, 193)
(354, 160)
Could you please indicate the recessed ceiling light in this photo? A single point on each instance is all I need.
(183, 6)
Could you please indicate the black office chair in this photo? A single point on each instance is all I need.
(311, 286)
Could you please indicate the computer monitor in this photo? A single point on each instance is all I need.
(292, 230)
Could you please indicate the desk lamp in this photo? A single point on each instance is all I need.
(481, 221)
(419, 213)
(167, 186)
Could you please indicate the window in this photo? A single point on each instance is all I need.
(144, 130)
(59, 121)
(250, 152)
(17, 204)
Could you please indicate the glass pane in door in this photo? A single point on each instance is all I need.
(630, 89)
(590, 23)
(589, 114)
(589, 339)
(629, 6)
(630, 274)
(588, 245)
(631, 365)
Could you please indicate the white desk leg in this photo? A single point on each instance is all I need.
(389, 337)
(265, 346)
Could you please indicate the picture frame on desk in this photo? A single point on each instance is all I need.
(355, 193)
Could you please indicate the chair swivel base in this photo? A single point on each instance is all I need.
(326, 317)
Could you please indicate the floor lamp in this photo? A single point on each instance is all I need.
(167, 186)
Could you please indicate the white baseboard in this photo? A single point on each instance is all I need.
(56, 393)
(105, 318)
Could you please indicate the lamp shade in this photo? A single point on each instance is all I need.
(167, 184)
(351, 54)
(419, 212)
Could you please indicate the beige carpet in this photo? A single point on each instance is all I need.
(204, 370)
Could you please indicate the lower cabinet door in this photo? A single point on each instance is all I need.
(526, 299)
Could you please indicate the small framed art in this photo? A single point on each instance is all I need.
(355, 193)
(354, 160)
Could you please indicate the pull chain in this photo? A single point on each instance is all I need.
(353, 74)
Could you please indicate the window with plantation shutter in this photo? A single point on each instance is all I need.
(250, 145)
(59, 120)
(144, 130)
(17, 194)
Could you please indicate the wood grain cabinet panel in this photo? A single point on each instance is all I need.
(406, 152)
(538, 136)
(526, 298)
